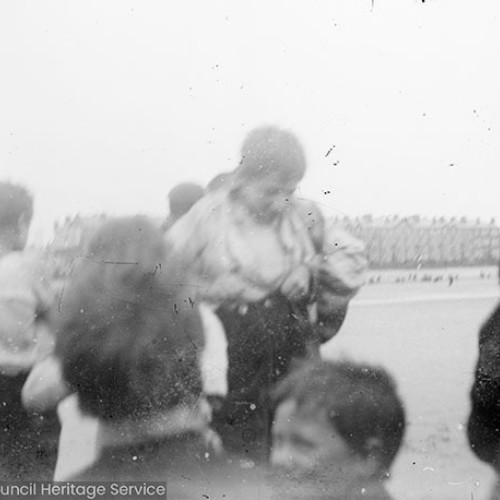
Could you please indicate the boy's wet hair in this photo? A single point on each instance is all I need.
(15, 201)
(270, 151)
(127, 348)
(360, 400)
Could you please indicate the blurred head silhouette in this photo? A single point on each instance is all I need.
(342, 421)
(272, 164)
(127, 342)
(182, 197)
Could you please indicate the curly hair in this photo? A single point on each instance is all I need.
(127, 341)
(15, 201)
(360, 400)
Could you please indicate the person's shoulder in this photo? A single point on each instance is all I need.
(203, 218)
(31, 258)
(18, 264)
(28, 264)
(210, 199)
(29, 276)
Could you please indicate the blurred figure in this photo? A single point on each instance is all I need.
(128, 356)
(181, 198)
(484, 419)
(130, 349)
(337, 430)
(264, 261)
(28, 441)
(223, 235)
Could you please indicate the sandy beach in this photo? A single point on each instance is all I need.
(425, 334)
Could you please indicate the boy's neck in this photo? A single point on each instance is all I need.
(175, 422)
(371, 489)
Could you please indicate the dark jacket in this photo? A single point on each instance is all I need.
(313, 488)
(190, 469)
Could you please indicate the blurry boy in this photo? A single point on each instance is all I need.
(337, 429)
(279, 280)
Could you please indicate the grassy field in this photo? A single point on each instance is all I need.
(425, 334)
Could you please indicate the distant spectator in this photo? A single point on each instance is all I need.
(336, 432)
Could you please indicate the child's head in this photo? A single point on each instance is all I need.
(182, 197)
(127, 341)
(272, 165)
(341, 420)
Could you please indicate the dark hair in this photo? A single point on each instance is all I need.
(127, 347)
(15, 201)
(183, 196)
(361, 403)
(270, 151)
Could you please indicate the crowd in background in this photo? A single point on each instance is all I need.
(190, 352)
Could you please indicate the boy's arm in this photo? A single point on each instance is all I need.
(339, 272)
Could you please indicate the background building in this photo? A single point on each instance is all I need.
(412, 242)
(70, 240)
(392, 241)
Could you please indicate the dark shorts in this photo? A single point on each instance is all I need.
(263, 339)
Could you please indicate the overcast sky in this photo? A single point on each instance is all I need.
(105, 105)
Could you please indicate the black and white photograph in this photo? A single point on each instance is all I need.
(250, 250)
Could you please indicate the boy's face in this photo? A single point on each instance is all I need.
(267, 197)
(305, 439)
(306, 444)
